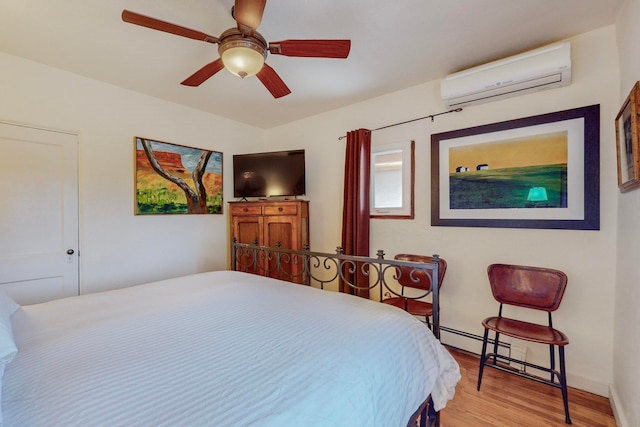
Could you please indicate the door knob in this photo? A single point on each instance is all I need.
(70, 251)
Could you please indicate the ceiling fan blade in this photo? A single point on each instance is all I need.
(272, 81)
(156, 24)
(200, 76)
(312, 48)
(248, 14)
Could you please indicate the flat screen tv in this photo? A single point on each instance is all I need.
(278, 173)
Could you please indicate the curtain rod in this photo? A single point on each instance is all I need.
(430, 116)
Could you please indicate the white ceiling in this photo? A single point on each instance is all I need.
(395, 45)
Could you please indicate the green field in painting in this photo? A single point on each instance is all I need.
(507, 188)
(164, 201)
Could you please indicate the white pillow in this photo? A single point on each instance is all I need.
(8, 347)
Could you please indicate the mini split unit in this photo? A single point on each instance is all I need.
(544, 68)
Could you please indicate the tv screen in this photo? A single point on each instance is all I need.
(279, 173)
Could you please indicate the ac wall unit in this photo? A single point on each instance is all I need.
(543, 68)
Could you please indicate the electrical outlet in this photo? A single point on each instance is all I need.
(518, 352)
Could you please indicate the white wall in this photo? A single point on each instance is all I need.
(588, 257)
(118, 248)
(626, 374)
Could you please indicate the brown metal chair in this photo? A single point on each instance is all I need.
(419, 280)
(538, 289)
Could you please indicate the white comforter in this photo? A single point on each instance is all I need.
(221, 349)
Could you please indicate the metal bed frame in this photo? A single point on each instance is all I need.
(324, 270)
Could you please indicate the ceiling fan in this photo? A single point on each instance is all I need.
(242, 49)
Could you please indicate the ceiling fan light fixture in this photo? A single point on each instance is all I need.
(242, 49)
(242, 56)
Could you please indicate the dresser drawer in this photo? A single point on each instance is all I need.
(281, 210)
(246, 210)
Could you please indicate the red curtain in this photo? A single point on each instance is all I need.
(355, 211)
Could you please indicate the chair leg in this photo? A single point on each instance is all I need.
(495, 348)
(563, 384)
(483, 356)
(552, 359)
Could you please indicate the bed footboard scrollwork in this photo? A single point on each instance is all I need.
(338, 271)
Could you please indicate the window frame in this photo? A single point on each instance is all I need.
(408, 177)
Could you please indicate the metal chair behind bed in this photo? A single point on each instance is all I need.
(418, 280)
(534, 288)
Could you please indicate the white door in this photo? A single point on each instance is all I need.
(39, 213)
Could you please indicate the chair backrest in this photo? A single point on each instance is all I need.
(422, 277)
(531, 287)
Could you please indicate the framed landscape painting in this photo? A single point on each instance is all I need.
(628, 141)
(535, 172)
(174, 179)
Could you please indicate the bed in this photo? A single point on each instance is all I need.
(224, 348)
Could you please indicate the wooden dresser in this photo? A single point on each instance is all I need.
(269, 223)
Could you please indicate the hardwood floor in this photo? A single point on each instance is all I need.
(506, 400)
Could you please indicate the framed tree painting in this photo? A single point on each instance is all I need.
(175, 179)
(627, 137)
(536, 172)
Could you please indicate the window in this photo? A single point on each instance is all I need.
(392, 175)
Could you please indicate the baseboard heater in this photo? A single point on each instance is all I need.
(473, 336)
